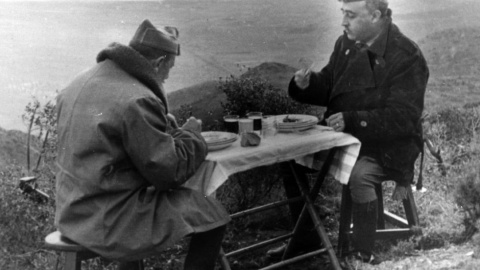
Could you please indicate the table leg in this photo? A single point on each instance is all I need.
(310, 196)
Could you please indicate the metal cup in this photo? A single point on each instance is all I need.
(257, 121)
(231, 123)
(245, 125)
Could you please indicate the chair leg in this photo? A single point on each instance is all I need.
(141, 266)
(382, 233)
(135, 265)
(345, 222)
(411, 208)
(380, 219)
(73, 261)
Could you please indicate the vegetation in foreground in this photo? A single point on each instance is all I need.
(449, 210)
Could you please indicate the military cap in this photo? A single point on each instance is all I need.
(164, 38)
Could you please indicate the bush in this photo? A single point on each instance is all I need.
(468, 197)
(458, 125)
(250, 94)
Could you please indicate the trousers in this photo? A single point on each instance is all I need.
(366, 173)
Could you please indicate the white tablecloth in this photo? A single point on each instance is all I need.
(305, 147)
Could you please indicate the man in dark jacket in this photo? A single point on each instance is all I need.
(121, 171)
(373, 88)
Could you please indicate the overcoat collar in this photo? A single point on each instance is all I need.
(135, 65)
(380, 43)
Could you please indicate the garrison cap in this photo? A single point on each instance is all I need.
(164, 38)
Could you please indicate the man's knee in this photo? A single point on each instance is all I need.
(365, 175)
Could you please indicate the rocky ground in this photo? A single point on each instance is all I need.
(465, 256)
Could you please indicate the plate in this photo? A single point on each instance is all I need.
(219, 137)
(217, 140)
(301, 121)
(219, 146)
(295, 129)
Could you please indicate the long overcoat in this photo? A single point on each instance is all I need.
(119, 183)
(380, 91)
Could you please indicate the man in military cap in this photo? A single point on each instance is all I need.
(373, 88)
(121, 171)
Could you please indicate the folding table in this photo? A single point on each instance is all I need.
(320, 148)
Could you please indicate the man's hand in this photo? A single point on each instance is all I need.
(336, 122)
(173, 121)
(302, 78)
(193, 124)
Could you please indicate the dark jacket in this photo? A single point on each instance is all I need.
(119, 184)
(380, 92)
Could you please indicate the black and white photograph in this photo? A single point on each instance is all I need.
(239, 134)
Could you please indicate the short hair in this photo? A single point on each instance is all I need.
(381, 5)
(372, 5)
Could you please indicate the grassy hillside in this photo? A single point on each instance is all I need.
(13, 148)
(454, 61)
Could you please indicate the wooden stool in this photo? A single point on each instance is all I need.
(74, 253)
(406, 227)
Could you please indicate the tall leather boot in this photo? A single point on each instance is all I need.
(364, 227)
(204, 249)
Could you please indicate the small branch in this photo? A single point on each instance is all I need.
(43, 150)
(436, 154)
(29, 135)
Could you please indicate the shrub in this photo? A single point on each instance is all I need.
(41, 121)
(455, 132)
(249, 94)
(458, 125)
(468, 197)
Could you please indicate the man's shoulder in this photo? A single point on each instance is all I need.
(403, 42)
